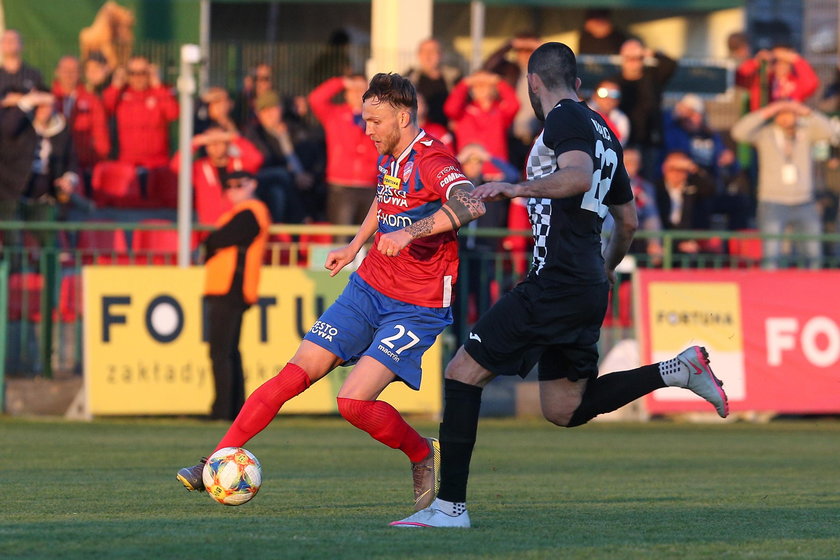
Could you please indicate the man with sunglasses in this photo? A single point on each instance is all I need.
(143, 108)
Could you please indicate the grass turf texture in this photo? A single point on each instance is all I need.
(107, 489)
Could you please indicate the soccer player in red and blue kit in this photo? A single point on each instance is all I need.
(397, 302)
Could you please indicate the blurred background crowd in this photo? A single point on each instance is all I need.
(93, 137)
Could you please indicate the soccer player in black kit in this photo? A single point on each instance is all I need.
(575, 175)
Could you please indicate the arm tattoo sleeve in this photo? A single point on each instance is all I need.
(464, 207)
(421, 228)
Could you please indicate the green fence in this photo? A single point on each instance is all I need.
(42, 263)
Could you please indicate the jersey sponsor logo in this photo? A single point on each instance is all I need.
(602, 130)
(474, 336)
(324, 330)
(383, 170)
(447, 169)
(393, 220)
(451, 177)
(391, 182)
(390, 353)
(388, 195)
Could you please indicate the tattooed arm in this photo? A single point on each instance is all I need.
(460, 209)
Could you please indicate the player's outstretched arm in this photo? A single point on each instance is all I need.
(341, 257)
(460, 209)
(573, 177)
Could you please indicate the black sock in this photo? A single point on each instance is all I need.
(614, 390)
(462, 403)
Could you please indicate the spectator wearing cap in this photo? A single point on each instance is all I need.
(282, 176)
(642, 80)
(233, 257)
(606, 98)
(215, 109)
(143, 108)
(599, 36)
(85, 115)
(482, 108)
(226, 152)
(16, 77)
(351, 155)
(686, 130)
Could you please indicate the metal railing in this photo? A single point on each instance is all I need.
(43, 270)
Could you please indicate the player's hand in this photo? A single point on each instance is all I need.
(339, 258)
(390, 244)
(495, 191)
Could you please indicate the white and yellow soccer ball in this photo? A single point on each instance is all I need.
(232, 476)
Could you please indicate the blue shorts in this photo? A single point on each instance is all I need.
(364, 322)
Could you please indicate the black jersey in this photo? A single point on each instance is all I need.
(567, 231)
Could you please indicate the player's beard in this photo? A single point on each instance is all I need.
(389, 142)
(536, 104)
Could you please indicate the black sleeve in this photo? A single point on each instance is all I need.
(240, 231)
(567, 130)
(621, 191)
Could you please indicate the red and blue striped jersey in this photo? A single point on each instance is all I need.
(409, 188)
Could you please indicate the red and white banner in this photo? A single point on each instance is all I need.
(773, 336)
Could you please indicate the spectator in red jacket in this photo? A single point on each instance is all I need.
(789, 77)
(351, 155)
(481, 109)
(143, 108)
(85, 115)
(226, 152)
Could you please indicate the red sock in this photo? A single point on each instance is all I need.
(384, 423)
(262, 405)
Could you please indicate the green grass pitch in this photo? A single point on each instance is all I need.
(660, 490)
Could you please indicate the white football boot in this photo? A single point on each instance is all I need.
(437, 515)
(697, 376)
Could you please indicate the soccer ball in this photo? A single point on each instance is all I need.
(232, 476)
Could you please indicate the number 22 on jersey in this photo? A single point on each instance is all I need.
(601, 180)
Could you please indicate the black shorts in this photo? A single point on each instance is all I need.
(557, 327)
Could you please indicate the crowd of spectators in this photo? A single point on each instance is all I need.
(314, 164)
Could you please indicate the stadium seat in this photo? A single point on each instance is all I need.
(746, 253)
(162, 188)
(70, 298)
(158, 247)
(102, 247)
(25, 296)
(115, 184)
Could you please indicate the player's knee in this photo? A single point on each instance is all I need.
(462, 367)
(560, 418)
